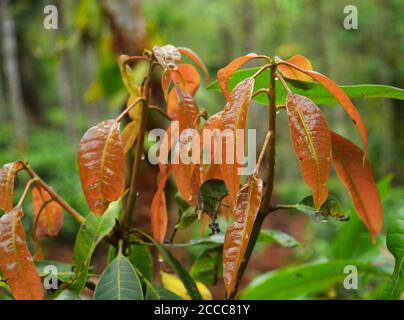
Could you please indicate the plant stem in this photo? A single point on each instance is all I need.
(77, 216)
(134, 186)
(25, 192)
(266, 199)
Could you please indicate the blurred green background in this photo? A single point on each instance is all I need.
(55, 84)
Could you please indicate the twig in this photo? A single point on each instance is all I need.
(282, 80)
(124, 112)
(161, 111)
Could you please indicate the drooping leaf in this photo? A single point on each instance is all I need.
(300, 61)
(174, 284)
(312, 90)
(7, 174)
(212, 192)
(141, 258)
(195, 58)
(101, 164)
(356, 174)
(183, 275)
(312, 144)
(238, 233)
(158, 208)
(188, 118)
(345, 101)
(131, 130)
(48, 216)
(303, 280)
(191, 81)
(278, 237)
(208, 267)
(331, 208)
(225, 73)
(395, 244)
(91, 233)
(234, 119)
(16, 262)
(119, 281)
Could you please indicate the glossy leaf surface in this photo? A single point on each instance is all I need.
(238, 233)
(16, 262)
(7, 175)
(101, 165)
(356, 174)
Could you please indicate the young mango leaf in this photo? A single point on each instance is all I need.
(395, 244)
(16, 262)
(191, 79)
(225, 73)
(303, 280)
(183, 275)
(119, 281)
(48, 216)
(345, 101)
(355, 173)
(188, 118)
(91, 233)
(312, 90)
(158, 208)
(331, 208)
(196, 59)
(238, 233)
(140, 257)
(234, 119)
(290, 73)
(101, 164)
(208, 267)
(211, 194)
(312, 144)
(278, 237)
(174, 284)
(7, 175)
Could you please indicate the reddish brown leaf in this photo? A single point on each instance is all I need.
(239, 232)
(294, 74)
(16, 262)
(234, 118)
(342, 98)
(158, 208)
(48, 214)
(195, 58)
(225, 73)
(102, 165)
(7, 174)
(188, 80)
(356, 174)
(312, 144)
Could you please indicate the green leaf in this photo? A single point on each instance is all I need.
(278, 237)
(330, 208)
(188, 217)
(185, 277)
(64, 270)
(299, 281)
(211, 194)
(160, 293)
(91, 232)
(119, 281)
(395, 244)
(311, 90)
(141, 258)
(208, 266)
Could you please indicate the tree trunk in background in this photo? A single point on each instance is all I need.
(67, 95)
(12, 76)
(127, 25)
(247, 15)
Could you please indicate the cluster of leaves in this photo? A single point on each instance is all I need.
(205, 189)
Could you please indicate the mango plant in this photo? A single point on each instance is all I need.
(206, 189)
